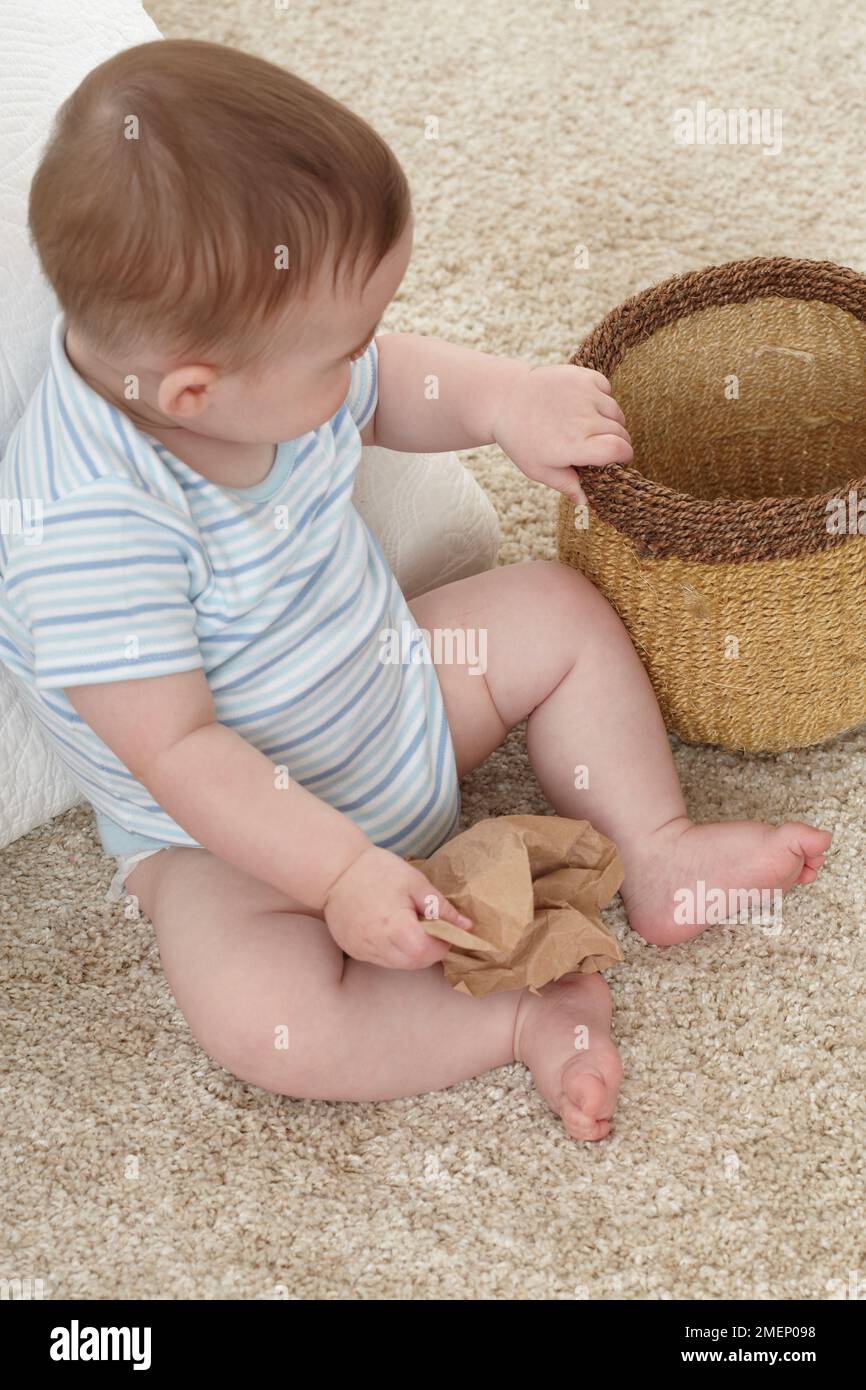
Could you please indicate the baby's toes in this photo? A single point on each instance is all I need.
(814, 843)
(586, 1089)
(806, 844)
(815, 861)
(581, 1126)
(809, 871)
(587, 1101)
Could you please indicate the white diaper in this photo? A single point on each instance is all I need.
(125, 864)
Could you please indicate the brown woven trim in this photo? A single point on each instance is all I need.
(663, 522)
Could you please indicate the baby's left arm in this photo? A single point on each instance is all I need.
(435, 396)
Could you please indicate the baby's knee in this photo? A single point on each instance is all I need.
(556, 583)
(274, 1048)
(570, 603)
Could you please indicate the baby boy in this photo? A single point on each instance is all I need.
(198, 630)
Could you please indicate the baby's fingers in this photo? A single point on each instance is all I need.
(412, 948)
(600, 450)
(598, 379)
(608, 407)
(603, 425)
(564, 480)
(432, 904)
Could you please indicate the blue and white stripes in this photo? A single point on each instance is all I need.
(278, 592)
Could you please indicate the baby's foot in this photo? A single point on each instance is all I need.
(563, 1036)
(682, 863)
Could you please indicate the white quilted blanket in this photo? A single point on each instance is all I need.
(46, 49)
(433, 521)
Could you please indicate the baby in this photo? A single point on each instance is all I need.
(199, 629)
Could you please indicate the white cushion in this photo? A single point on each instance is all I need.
(47, 49)
(432, 519)
(35, 784)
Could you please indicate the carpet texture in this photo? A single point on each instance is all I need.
(137, 1168)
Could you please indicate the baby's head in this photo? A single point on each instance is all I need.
(222, 232)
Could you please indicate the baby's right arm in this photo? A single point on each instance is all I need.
(225, 794)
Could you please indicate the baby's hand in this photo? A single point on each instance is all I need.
(372, 911)
(558, 418)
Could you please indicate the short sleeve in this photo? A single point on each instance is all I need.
(364, 388)
(105, 590)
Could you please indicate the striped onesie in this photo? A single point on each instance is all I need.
(118, 561)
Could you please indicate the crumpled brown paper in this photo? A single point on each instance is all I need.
(534, 887)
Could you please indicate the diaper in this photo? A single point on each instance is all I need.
(125, 864)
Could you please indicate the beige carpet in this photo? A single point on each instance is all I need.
(136, 1167)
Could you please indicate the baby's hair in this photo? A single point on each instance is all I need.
(175, 174)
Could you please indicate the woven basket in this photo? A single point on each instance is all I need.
(732, 548)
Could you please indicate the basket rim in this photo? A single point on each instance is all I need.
(663, 521)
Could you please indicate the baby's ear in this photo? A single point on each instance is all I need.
(183, 392)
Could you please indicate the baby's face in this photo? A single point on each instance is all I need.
(306, 377)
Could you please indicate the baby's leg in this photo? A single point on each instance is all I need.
(557, 653)
(271, 997)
